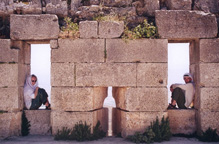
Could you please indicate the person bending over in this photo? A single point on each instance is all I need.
(182, 94)
(34, 96)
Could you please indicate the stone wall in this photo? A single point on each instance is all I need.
(82, 69)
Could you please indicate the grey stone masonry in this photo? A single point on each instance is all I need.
(7, 54)
(110, 29)
(88, 29)
(179, 4)
(39, 122)
(207, 5)
(34, 27)
(58, 7)
(143, 50)
(79, 50)
(209, 50)
(186, 24)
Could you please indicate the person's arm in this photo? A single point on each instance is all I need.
(36, 92)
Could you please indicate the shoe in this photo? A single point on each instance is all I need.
(170, 106)
(48, 107)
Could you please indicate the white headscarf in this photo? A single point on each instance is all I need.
(189, 75)
(29, 91)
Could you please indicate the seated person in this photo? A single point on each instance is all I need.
(34, 96)
(182, 94)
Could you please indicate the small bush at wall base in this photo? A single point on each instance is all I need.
(25, 126)
(154, 133)
(210, 135)
(80, 132)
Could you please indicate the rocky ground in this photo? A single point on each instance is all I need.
(107, 140)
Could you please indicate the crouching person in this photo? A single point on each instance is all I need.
(182, 94)
(34, 96)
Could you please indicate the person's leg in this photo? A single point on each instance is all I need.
(44, 97)
(36, 103)
(178, 97)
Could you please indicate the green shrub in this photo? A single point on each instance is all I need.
(144, 30)
(156, 132)
(210, 135)
(80, 132)
(25, 126)
(70, 29)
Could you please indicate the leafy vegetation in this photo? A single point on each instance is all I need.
(154, 133)
(81, 132)
(70, 30)
(210, 135)
(25, 126)
(145, 30)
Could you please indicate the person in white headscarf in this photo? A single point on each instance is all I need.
(34, 96)
(182, 94)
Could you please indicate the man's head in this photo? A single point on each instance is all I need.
(187, 78)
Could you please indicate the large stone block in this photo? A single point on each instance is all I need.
(106, 74)
(182, 121)
(62, 74)
(143, 50)
(79, 50)
(127, 123)
(209, 74)
(209, 98)
(7, 54)
(8, 75)
(117, 3)
(34, 27)
(141, 99)
(39, 121)
(207, 5)
(151, 74)
(150, 6)
(69, 119)
(179, 4)
(78, 98)
(186, 24)
(110, 29)
(33, 7)
(10, 124)
(208, 119)
(57, 7)
(88, 29)
(209, 50)
(11, 99)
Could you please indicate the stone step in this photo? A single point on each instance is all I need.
(182, 121)
(39, 121)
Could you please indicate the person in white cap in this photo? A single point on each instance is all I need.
(182, 94)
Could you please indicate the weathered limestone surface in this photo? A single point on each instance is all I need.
(54, 44)
(78, 98)
(130, 122)
(69, 119)
(7, 54)
(106, 74)
(117, 3)
(209, 50)
(8, 75)
(179, 4)
(209, 98)
(88, 29)
(10, 124)
(79, 50)
(34, 27)
(143, 50)
(141, 99)
(207, 5)
(11, 99)
(57, 7)
(186, 24)
(150, 6)
(182, 121)
(39, 121)
(62, 74)
(33, 7)
(208, 119)
(209, 74)
(151, 74)
(110, 29)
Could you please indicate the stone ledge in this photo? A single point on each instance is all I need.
(182, 121)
